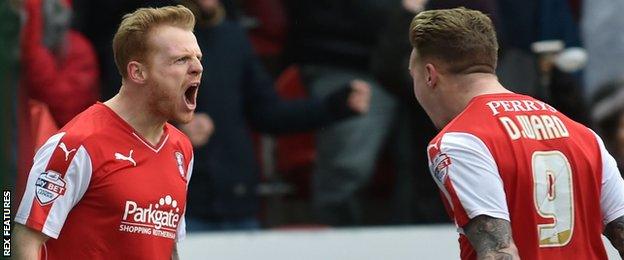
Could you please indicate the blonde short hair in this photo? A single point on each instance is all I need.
(459, 37)
(130, 41)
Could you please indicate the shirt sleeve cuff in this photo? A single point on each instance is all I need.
(40, 227)
(615, 214)
(490, 213)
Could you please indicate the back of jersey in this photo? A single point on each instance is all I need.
(552, 177)
(551, 170)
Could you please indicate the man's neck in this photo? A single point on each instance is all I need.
(469, 86)
(138, 115)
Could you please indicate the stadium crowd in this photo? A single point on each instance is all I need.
(305, 114)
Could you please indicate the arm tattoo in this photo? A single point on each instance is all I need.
(615, 232)
(489, 236)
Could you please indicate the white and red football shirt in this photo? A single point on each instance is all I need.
(103, 192)
(513, 157)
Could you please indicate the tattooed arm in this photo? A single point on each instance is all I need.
(491, 238)
(614, 231)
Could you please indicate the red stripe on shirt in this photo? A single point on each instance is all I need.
(59, 163)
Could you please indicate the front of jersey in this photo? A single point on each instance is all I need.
(101, 191)
(513, 157)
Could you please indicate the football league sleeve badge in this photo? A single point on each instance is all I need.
(49, 186)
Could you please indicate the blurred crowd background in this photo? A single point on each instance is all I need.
(285, 151)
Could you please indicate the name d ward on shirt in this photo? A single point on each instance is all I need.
(536, 126)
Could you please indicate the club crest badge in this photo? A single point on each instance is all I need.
(49, 186)
(179, 157)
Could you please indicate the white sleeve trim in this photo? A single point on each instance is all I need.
(189, 170)
(77, 179)
(491, 213)
(40, 162)
(612, 193)
(182, 225)
(181, 229)
(474, 175)
(50, 232)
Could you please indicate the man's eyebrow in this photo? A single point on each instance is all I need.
(181, 55)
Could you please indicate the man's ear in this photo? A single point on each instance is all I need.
(432, 75)
(136, 72)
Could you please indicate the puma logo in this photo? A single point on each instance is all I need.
(119, 156)
(64, 148)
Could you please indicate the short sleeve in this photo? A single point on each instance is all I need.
(57, 181)
(466, 173)
(181, 232)
(612, 192)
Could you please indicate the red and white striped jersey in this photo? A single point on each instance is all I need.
(103, 192)
(513, 157)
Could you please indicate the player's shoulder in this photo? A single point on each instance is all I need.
(468, 127)
(456, 139)
(179, 139)
(585, 136)
(94, 121)
(577, 126)
(457, 143)
(457, 148)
